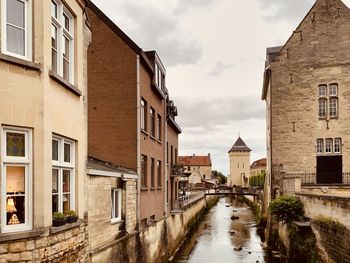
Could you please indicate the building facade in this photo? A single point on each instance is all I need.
(306, 92)
(239, 155)
(258, 167)
(128, 118)
(198, 167)
(43, 66)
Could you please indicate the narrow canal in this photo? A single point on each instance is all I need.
(221, 239)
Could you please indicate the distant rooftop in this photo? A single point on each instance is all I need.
(195, 160)
(258, 164)
(240, 146)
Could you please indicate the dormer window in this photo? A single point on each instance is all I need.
(159, 77)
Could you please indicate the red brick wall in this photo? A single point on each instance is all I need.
(112, 97)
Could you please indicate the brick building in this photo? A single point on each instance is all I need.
(129, 113)
(43, 66)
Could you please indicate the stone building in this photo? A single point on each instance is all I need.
(43, 66)
(239, 164)
(199, 168)
(306, 89)
(258, 167)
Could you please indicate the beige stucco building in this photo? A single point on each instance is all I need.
(239, 164)
(199, 168)
(258, 167)
(43, 128)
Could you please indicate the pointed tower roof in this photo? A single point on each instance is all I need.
(240, 146)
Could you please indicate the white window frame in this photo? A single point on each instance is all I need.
(115, 218)
(331, 86)
(319, 146)
(333, 106)
(337, 141)
(143, 114)
(61, 34)
(324, 101)
(323, 88)
(61, 165)
(25, 162)
(28, 30)
(331, 148)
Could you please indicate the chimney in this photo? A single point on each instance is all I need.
(194, 155)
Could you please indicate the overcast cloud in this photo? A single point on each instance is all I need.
(214, 52)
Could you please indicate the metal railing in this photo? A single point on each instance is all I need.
(186, 200)
(311, 178)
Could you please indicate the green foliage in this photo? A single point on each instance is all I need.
(257, 180)
(287, 209)
(70, 213)
(222, 179)
(302, 245)
(59, 216)
(330, 224)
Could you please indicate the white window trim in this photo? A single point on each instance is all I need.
(119, 218)
(60, 165)
(28, 31)
(340, 145)
(325, 148)
(61, 33)
(322, 146)
(17, 161)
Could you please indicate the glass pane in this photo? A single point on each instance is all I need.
(66, 48)
(65, 69)
(55, 203)
(54, 9)
(15, 40)
(116, 204)
(54, 180)
(15, 144)
(15, 210)
(53, 36)
(15, 180)
(66, 181)
(67, 152)
(66, 202)
(16, 13)
(66, 22)
(54, 150)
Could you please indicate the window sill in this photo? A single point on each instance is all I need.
(56, 229)
(144, 188)
(159, 141)
(159, 188)
(20, 62)
(153, 138)
(64, 83)
(116, 221)
(144, 132)
(152, 188)
(333, 118)
(20, 235)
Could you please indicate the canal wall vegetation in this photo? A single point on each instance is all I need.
(159, 241)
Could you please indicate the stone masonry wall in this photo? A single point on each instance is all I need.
(68, 245)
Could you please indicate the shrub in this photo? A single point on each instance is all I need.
(330, 224)
(59, 216)
(70, 213)
(257, 180)
(287, 209)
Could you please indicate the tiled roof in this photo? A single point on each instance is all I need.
(97, 164)
(240, 146)
(258, 163)
(195, 160)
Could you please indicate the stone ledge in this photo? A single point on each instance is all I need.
(65, 83)
(20, 62)
(54, 230)
(21, 235)
(326, 197)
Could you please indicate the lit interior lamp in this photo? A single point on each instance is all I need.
(10, 208)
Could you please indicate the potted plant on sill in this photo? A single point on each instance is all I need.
(58, 219)
(71, 216)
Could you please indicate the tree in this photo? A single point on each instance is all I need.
(222, 179)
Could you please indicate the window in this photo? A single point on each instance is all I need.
(143, 171)
(116, 205)
(333, 90)
(329, 146)
(322, 108)
(337, 145)
(63, 183)
(143, 115)
(159, 130)
(322, 90)
(333, 107)
(159, 173)
(175, 155)
(319, 146)
(62, 41)
(152, 172)
(16, 202)
(171, 156)
(16, 28)
(152, 120)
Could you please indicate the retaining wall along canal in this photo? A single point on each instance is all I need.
(154, 243)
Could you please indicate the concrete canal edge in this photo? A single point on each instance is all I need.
(192, 225)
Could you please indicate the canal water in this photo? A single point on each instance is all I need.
(221, 239)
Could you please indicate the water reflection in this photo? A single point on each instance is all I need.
(221, 239)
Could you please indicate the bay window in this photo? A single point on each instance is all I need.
(63, 165)
(16, 203)
(62, 41)
(16, 28)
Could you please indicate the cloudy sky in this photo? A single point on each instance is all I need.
(214, 52)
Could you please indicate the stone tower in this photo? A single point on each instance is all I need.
(239, 164)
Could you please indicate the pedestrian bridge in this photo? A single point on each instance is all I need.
(235, 191)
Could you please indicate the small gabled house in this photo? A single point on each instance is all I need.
(199, 168)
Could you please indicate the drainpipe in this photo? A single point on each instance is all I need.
(138, 136)
(166, 176)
